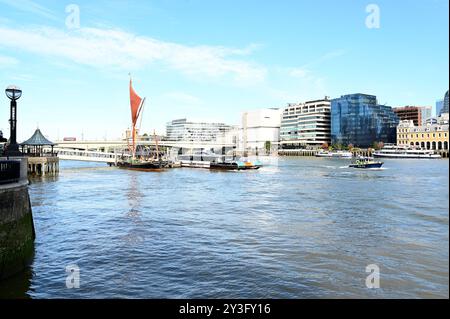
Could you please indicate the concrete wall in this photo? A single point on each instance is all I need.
(16, 227)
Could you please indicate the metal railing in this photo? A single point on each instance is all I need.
(9, 172)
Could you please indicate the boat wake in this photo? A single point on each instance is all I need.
(370, 169)
(330, 167)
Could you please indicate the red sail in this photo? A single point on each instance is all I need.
(135, 104)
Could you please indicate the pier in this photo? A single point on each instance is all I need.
(41, 161)
(298, 152)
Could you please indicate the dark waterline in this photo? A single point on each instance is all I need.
(305, 228)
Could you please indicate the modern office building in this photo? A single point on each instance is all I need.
(430, 137)
(359, 120)
(182, 130)
(442, 105)
(443, 119)
(417, 114)
(445, 104)
(260, 129)
(427, 112)
(439, 107)
(306, 125)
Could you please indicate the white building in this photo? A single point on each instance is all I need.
(260, 129)
(306, 125)
(183, 131)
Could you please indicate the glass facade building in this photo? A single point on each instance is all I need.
(358, 119)
(445, 105)
(439, 107)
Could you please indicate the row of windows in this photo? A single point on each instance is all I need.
(422, 135)
(427, 145)
(428, 129)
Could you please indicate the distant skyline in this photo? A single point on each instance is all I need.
(211, 60)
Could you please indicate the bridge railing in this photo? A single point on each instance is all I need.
(9, 171)
(87, 154)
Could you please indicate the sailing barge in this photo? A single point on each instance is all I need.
(140, 162)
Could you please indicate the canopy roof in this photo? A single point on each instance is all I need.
(37, 139)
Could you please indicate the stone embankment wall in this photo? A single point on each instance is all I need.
(16, 226)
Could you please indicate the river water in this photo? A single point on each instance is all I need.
(297, 228)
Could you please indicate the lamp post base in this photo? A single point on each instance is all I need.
(13, 150)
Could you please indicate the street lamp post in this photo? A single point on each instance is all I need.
(13, 93)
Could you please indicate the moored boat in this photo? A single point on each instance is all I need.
(139, 162)
(393, 151)
(142, 164)
(206, 159)
(338, 154)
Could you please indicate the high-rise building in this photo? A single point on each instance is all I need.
(359, 120)
(260, 129)
(182, 130)
(417, 114)
(439, 106)
(427, 112)
(305, 124)
(445, 104)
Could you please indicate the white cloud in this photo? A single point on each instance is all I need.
(32, 7)
(112, 48)
(298, 72)
(182, 98)
(6, 61)
(325, 57)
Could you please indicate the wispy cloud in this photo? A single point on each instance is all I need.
(307, 69)
(325, 57)
(307, 80)
(113, 48)
(298, 72)
(23, 77)
(6, 61)
(31, 7)
(182, 98)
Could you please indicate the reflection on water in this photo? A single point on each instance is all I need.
(306, 228)
(17, 287)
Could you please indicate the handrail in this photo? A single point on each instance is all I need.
(9, 171)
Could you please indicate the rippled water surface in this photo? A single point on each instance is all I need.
(305, 228)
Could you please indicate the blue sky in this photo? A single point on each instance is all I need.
(211, 60)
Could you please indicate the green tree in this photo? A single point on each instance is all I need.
(378, 145)
(267, 146)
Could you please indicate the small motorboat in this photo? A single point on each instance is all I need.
(246, 164)
(236, 165)
(365, 162)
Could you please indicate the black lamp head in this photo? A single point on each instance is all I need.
(13, 92)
